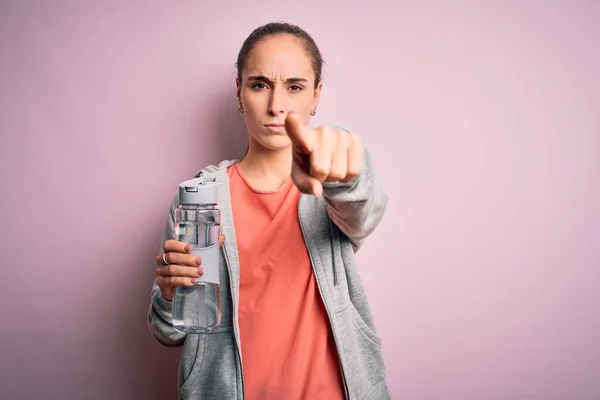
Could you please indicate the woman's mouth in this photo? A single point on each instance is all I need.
(278, 128)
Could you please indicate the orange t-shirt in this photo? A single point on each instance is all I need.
(288, 351)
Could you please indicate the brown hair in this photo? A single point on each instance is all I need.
(281, 28)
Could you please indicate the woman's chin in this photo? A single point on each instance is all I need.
(274, 142)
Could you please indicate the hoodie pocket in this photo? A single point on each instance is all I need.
(192, 358)
(361, 353)
(362, 327)
(214, 374)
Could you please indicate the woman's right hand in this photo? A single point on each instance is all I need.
(181, 269)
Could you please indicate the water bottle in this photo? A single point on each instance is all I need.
(197, 308)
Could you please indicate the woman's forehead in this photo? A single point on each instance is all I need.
(279, 57)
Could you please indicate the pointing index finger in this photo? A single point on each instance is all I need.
(300, 136)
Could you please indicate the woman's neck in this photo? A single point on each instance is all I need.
(265, 169)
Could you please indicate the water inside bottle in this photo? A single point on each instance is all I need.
(197, 309)
(202, 233)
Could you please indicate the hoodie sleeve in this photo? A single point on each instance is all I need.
(357, 207)
(160, 319)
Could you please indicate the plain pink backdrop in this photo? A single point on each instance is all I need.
(484, 121)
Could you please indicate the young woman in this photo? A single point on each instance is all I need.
(295, 322)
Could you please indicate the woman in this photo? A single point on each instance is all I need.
(296, 323)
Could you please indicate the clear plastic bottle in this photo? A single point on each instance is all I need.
(197, 308)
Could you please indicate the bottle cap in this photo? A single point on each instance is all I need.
(198, 191)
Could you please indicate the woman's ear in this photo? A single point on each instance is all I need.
(317, 95)
(238, 91)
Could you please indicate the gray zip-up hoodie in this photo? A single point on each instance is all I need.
(334, 227)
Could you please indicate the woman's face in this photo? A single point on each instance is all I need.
(277, 79)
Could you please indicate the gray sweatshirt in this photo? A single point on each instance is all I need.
(334, 228)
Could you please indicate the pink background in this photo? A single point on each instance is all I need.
(484, 121)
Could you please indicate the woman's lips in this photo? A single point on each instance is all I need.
(278, 128)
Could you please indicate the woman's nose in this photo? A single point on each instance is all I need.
(276, 105)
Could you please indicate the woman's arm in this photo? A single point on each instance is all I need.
(357, 207)
(160, 319)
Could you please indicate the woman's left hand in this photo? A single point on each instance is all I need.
(322, 154)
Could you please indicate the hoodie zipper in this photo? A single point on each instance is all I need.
(335, 337)
(235, 323)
